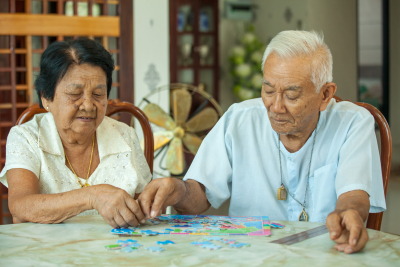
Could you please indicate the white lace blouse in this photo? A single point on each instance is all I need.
(36, 146)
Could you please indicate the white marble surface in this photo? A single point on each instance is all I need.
(81, 241)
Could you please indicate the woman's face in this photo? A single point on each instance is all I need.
(80, 101)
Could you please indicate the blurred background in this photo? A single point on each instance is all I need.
(215, 45)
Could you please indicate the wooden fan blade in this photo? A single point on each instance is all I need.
(192, 142)
(182, 102)
(162, 138)
(158, 116)
(175, 161)
(204, 120)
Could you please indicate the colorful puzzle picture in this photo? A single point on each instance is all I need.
(203, 225)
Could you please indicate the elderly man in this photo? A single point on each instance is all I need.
(295, 154)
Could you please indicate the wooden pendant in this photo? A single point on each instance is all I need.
(303, 216)
(282, 194)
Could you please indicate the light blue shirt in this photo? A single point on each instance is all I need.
(239, 159)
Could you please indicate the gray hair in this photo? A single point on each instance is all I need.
(289, 44)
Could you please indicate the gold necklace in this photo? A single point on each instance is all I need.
(90, 164)
(282, 191)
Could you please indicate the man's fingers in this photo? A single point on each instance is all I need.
(159, 199)
(135, 209)
(355, 233)
(146, 198)
(333, 223)
(360, 244)
(340, 247)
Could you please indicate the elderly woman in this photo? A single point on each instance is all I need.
(73, 160)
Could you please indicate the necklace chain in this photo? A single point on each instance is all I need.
(309, 168)
(90, 164)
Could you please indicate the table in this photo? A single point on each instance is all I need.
(81, 241)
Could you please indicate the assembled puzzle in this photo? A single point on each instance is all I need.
(202, 225)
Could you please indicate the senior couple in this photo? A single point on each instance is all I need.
(293, 154)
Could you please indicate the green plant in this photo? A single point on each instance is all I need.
(245, 60)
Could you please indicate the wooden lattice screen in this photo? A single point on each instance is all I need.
(27, 27)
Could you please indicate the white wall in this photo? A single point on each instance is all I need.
(270, 17)
(338, 20)
(370, 32)
(151, 48)
(228, 31)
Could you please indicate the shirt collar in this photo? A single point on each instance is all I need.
(49, 139)
(109, 139)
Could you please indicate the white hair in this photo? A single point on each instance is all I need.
(290, 44)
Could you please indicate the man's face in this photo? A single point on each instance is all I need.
(289, 95)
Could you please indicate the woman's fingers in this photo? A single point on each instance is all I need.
(118, 218)
(111, 222)
(135, 211)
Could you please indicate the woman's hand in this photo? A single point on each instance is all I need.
(115, 205)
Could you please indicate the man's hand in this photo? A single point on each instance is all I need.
(159, 194)
(347, 229)
(115, 205)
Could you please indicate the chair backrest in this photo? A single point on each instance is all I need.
(375, 219)
(112, 108)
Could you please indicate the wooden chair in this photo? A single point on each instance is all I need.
(375, 219)
(113, 108)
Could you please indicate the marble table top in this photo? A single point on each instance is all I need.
(81, 241)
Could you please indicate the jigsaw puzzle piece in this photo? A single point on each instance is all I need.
(113, 247)
(149, 232)
(129, 241)
(277, 225)
(166, 242)
(239, 245)
(120, 231)
(229, 241)
(129, 249)
(155, 249)
(211, 247)
(212, 238)
(201, 243)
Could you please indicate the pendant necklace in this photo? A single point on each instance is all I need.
(90, 164)
(282, 191)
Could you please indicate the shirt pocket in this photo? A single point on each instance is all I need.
(324, 193)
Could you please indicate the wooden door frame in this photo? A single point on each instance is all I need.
(126, 77)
